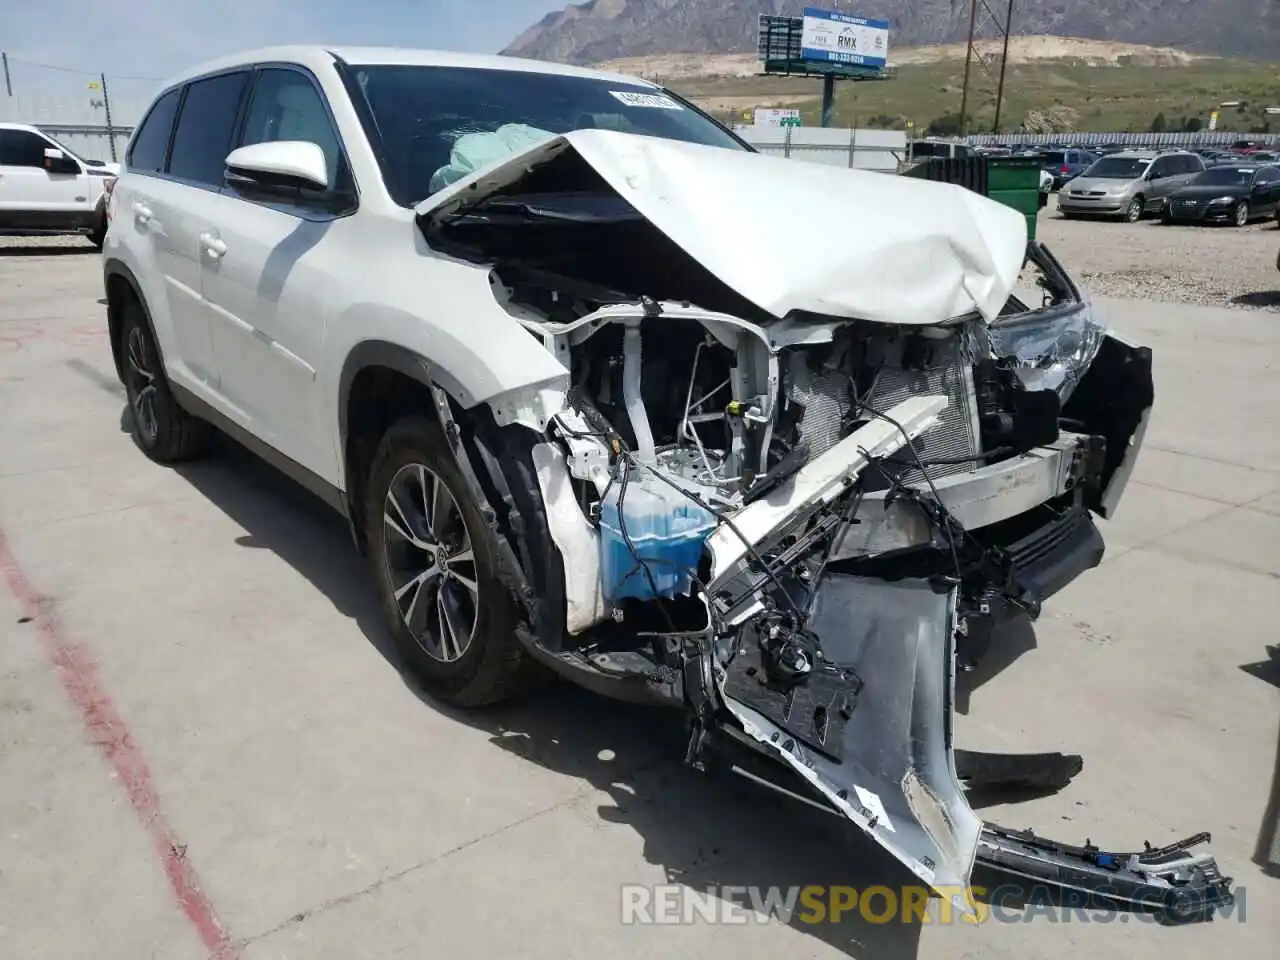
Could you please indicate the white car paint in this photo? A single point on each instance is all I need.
(36, 200)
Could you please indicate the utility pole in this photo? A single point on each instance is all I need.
(968, 59)
(1004, 61)
(8, 85)
(106, 104)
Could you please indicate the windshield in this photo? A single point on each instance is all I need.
(1118, 168)
(1224, 176)
(435, 125)
(1056, 157)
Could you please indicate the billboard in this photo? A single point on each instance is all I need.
(839, 38)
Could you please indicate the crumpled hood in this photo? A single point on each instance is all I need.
(794, 236)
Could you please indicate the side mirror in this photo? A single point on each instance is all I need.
(285, 169)
(55, 161)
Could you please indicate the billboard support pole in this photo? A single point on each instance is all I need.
(1004, 62)
(828, 98)
(968, 59)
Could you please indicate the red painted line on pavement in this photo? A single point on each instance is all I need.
(108, 731)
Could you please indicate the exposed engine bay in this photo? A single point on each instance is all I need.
(799, 527)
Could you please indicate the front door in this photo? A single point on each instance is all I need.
(270, 271)
(46, 200)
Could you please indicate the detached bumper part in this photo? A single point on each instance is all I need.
(1178, 885)
(873, 738)
(1045, 561)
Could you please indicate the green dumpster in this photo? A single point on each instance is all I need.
(1015, 182)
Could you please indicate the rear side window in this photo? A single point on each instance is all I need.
(206, 126)
(22, 148)
(146, 153)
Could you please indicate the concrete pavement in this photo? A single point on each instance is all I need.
(206, 746)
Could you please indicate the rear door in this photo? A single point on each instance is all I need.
(270, 272)
(172, 207)
(32, 196)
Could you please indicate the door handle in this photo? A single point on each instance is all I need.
(213, 247)
(141, 212)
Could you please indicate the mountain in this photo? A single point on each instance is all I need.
(607, 29)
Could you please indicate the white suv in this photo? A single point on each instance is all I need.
(47, 189)
(602, 390)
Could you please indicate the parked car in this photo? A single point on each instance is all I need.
(1046, 187)
(491, 311)
(45, 188)
(1128, 185)
(1235, 195)
(1066, 164)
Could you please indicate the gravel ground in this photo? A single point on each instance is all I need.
(1218, 266)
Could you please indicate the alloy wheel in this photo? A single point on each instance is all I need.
(1242, 214)
(1134, 211)
(142, 385)
(430, 563)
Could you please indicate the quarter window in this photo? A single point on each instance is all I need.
(206, 127)
(151, 142)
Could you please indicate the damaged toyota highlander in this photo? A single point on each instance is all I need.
(605, 393)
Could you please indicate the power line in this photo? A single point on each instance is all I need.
(87, 73)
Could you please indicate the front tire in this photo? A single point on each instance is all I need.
(1133, 212)
(1240, 216)
(161, 428)
(451, 617)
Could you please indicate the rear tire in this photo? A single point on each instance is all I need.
(420, 517)
(161, 428)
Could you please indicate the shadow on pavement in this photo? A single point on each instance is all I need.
(1262, 298)
(1267, 850)
(703, 830)
(37, 250)
(1010, 637)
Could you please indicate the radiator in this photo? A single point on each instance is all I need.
(943, 366)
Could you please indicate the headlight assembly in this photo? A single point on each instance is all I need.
(1051, 350)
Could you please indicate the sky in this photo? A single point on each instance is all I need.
(138, 42)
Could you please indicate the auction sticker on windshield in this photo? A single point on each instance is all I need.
(635, 99)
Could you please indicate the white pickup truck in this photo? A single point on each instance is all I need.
(47, 189)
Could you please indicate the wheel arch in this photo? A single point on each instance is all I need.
(380, 382)
(121, 285)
